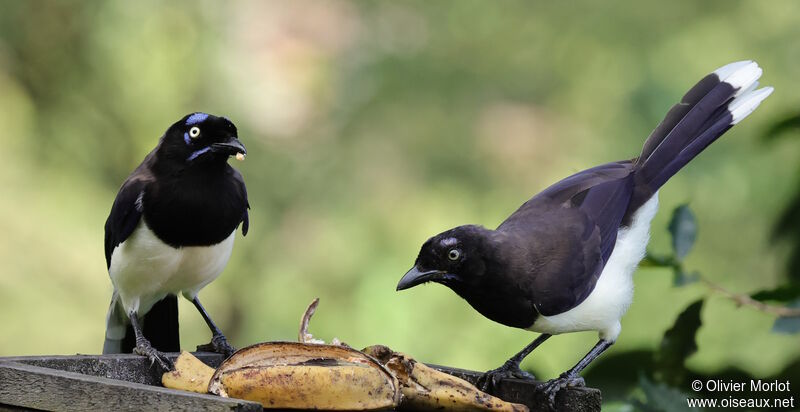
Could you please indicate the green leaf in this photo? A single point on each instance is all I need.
(660, 397)
(659, 261)
(788, 123)
(683, 227)
(681, 278)
(788, 325)
(678, 344)
(783, 293)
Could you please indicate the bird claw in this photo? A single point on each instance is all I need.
(490, 380)
(145, 349)
(218, 344)
(552, 387)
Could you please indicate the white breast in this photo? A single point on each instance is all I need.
(613, 293)
(144, 269)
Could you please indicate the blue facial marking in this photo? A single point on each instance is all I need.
(198, 153)
(196, 118)
(187, 139)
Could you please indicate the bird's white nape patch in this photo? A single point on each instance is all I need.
(613, 293)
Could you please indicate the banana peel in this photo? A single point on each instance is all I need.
(312, 375)
(425, 388)
(190, 374)
(291, 375)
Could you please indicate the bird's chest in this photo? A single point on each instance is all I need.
(193, 211)
(144, 268)
(504, 307)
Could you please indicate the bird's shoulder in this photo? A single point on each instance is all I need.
(560, 239)
(554, 262)
(568, 192)
(239, 181)
(127, 208)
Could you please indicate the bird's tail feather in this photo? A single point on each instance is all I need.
(709, 109)
(116, 326)
(159, 326)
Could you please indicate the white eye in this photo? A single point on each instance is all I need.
(454, 254)
(194, 132)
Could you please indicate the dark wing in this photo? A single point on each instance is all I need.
(567, 188)
(243, 190)
(127, 208)
(606, 204)
(570, 230)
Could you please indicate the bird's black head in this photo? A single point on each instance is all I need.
(455, 258)
(200, 139)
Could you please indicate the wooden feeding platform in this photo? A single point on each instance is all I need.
(129, 383)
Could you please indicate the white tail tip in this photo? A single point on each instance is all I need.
(743, 105)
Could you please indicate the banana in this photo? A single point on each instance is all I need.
(425, 388)
(306, 376)
(310, 375)
(190, 374)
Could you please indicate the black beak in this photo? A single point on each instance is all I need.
(230, 148)
(416, 277)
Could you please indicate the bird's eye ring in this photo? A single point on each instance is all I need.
(194, 132)
(454, 254)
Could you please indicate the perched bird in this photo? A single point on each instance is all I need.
(171, 231)
(564, 261)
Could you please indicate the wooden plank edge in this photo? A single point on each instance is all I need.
(125, 367)
(50, 389)
(134, 368)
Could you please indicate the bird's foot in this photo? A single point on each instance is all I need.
(489, 381)
(144, 348)
(218, 344)
(566, 380)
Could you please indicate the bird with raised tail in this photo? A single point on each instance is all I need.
(564, 261)
(171, 231)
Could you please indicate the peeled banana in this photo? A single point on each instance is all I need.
(425, 388)
(306, 376)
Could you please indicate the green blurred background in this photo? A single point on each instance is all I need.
(371, 126)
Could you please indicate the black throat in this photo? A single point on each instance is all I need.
(195, 206)
(504, 307)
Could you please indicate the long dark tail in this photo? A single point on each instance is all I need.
(709, 109)
(159, 325)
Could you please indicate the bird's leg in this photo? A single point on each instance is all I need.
(218, 342)
(571, 378)
(489, 380)
(144, 348)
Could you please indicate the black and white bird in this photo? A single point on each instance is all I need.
(171, 231)
(564, 261)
